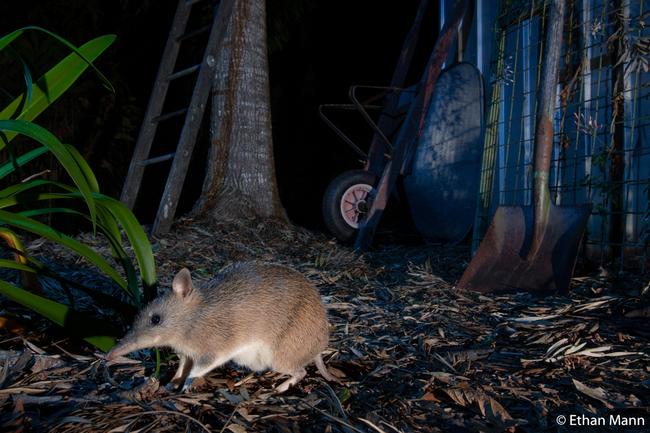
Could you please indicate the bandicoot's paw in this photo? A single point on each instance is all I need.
(283, 387)
(172, 387)
(187, 385)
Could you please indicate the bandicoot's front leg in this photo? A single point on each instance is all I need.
(184, 366)
(202, 366)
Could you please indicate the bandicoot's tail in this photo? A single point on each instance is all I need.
(320, 365)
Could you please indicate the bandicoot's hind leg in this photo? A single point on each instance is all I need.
(296, 376)
(320, 365)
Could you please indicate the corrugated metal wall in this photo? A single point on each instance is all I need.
(602, 122)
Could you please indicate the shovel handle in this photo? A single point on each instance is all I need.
(545, 111)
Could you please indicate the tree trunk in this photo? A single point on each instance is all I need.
(240, 176)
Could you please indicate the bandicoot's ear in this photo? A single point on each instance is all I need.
(182, 284)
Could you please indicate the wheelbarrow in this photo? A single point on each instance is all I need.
(426, 136)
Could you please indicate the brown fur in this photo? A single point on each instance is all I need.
(247, 302)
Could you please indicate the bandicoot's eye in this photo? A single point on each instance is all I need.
(155, 319)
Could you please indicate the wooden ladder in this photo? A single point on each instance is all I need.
(193, 114)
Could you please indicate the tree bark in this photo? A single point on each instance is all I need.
(240, 176)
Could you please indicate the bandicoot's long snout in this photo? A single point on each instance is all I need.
(120, 349)
(128, 344)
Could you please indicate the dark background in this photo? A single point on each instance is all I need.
(317, 50)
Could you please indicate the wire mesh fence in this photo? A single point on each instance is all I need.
(602, 122)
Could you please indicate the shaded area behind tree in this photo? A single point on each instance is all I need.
(317, 50)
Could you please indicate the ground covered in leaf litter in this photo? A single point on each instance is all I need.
(414, 354)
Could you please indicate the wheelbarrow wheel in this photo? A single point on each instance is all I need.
(346, 202)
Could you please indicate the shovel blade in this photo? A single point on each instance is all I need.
(503, 262)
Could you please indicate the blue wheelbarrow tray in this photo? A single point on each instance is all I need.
(442, 181)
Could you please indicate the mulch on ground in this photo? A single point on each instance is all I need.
(413, 353)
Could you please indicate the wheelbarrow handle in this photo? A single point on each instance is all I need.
(386, 92)
(342, 135)
(364, 113)
(362, 107)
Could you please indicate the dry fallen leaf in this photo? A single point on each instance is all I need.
(597, 393)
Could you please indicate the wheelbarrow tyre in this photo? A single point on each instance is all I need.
(350, 184)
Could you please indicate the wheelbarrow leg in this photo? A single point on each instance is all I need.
(382, 192)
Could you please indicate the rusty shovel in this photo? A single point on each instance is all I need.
(533, 248)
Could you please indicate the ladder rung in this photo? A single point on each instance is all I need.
(169, 115)
(157, 159)
(184, 72)
(194, 33)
